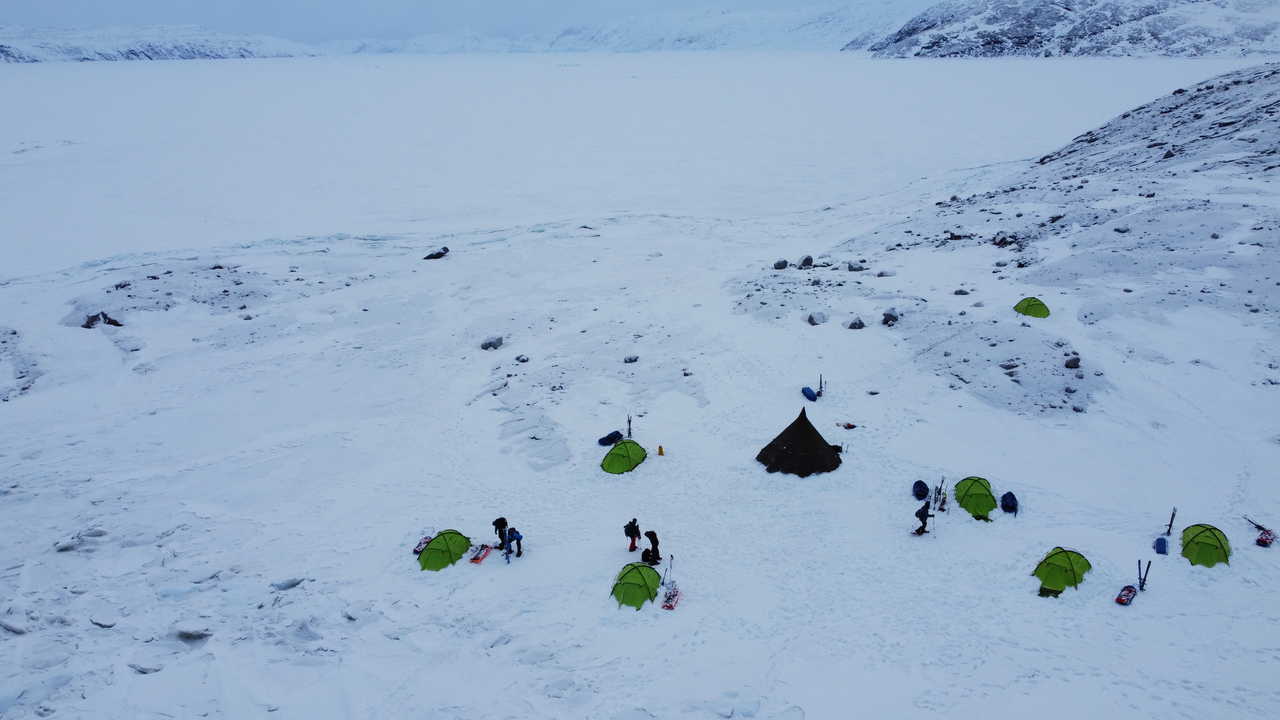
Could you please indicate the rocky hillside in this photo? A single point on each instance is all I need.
(150, 43)
(1168, 211)
(988, 28)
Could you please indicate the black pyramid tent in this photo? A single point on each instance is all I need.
(800, 450)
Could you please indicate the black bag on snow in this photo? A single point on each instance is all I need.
(1009, 503)
(920, 490)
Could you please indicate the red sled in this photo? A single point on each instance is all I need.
(479, 555)
(1127, 593)
(671, 599)
(1265, 538)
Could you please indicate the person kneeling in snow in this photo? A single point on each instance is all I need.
(651, 555)
(514, 539)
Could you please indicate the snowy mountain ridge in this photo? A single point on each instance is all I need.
(160, 42)
(989, 28)
(809, 28)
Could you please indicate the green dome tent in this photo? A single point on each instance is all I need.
(1205, 545)
(1032, 306)
(974, 495)
(1062, 568)
(623, 458)
(636, 584)
(444, 550)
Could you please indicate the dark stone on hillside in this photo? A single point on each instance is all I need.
(886, 273)
(1072, 362)
(816, 318)
(856, 267)
(631, 359)
(437, 254)
(522, 358)
(91, 321)
(492, 343)
(1121, 230)
(806, 261)
(780, 265)
(890, 317)
(961, 291)
(857, 324)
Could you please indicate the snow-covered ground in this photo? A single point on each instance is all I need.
(295, 394)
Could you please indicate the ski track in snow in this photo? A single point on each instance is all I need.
(305, 410)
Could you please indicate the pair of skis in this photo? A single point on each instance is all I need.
(1129, 592)
(671, 597)
(1266, 536)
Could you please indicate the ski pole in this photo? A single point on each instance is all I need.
(1169, 530)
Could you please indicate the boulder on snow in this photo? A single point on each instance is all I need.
(780, 265)
(806, 261)
(522, 358)
(1073, 362)
(856, 324)
(890, 317)
(492, 343)
(190, 633)
(816, 318)
(437, 254)
(856, 267)
(631, 359)
(91, 321)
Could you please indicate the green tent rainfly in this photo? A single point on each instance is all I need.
(636, 584)
(623, 458)
(444, 550)
(1205, 545)
(1062, 568)
(1032, 306)
(974, 495)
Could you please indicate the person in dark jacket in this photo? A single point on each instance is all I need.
(500, 529)
(632, 529)
(923, 516)
(651, 556)
(514, 539)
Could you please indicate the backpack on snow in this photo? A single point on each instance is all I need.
(920, 490)
(1009, 503)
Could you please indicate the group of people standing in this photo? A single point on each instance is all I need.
(650, 555)
(510, 539)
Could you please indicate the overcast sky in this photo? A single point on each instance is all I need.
(314, 20)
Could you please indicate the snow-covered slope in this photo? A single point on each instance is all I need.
(802, 28)
(792, 29)
(139, 43)
(986, 28)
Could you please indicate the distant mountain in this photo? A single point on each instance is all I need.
(987, 28)
(828, 28)
(793, 29)
(145, 43)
